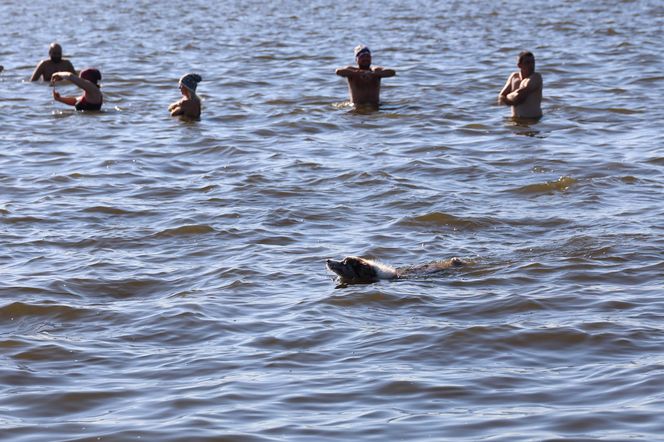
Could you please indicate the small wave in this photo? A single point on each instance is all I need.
(648, 80)
(26, 220)
(195, 229)
(623, 111)
(562, 184)
(114, 288)
(108, 210)
(359, 298)
(444, 219)
(19, 310)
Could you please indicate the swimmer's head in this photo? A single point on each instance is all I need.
(361, 49)
(91, 74)
(55, 52)
(526, 58)
(190, 81)
(363, 56)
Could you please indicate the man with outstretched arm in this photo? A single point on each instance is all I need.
(364, 80)
(55, 63)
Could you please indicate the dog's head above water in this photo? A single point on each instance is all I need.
(356, 270)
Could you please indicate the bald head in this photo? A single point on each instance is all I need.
(55, 52)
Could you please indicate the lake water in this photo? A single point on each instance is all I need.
(164, 280)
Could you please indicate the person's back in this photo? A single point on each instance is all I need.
(46, 68)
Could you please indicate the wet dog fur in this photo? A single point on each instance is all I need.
(356, 270)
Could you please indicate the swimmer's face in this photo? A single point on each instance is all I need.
(526, 64)
(55, 52)
(364, 59)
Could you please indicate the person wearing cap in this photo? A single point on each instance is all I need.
(363, 79)
(46, 68)
(88, 80)
(189, 105)
(523, 90)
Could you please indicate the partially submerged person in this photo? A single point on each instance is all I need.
(364, 80)
(189, 105)
(523, 90)
(46, 68)
(88, 80)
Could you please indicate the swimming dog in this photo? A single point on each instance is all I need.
(356, 270)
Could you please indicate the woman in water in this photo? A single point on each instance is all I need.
(190, 105)
(88, 80)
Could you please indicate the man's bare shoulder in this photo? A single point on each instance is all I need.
(536, 77)
(43, 63)
(534, 81)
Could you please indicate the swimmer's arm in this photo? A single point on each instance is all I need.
(61, 75)
(94, 94)
(502, 96)
(84, 84)
(70, 67)
(176, 109)
(531, 84)
(174, 105)
(66, 100)
(38, 72)
(348, 71)
(384, 73)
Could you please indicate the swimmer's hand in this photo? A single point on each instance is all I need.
(177, 110)
(2, 68)
(71, 101)
(60, 76)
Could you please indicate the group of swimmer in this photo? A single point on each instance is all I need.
(522, 91)
(55, 68)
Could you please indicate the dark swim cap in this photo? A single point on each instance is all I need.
(91, 74)
(190, 81)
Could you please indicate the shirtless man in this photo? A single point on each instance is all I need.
(363, 80)
(54, 64)
(523, 90)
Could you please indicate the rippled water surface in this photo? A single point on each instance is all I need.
(164, 280)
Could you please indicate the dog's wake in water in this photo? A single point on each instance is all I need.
(356, 270)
